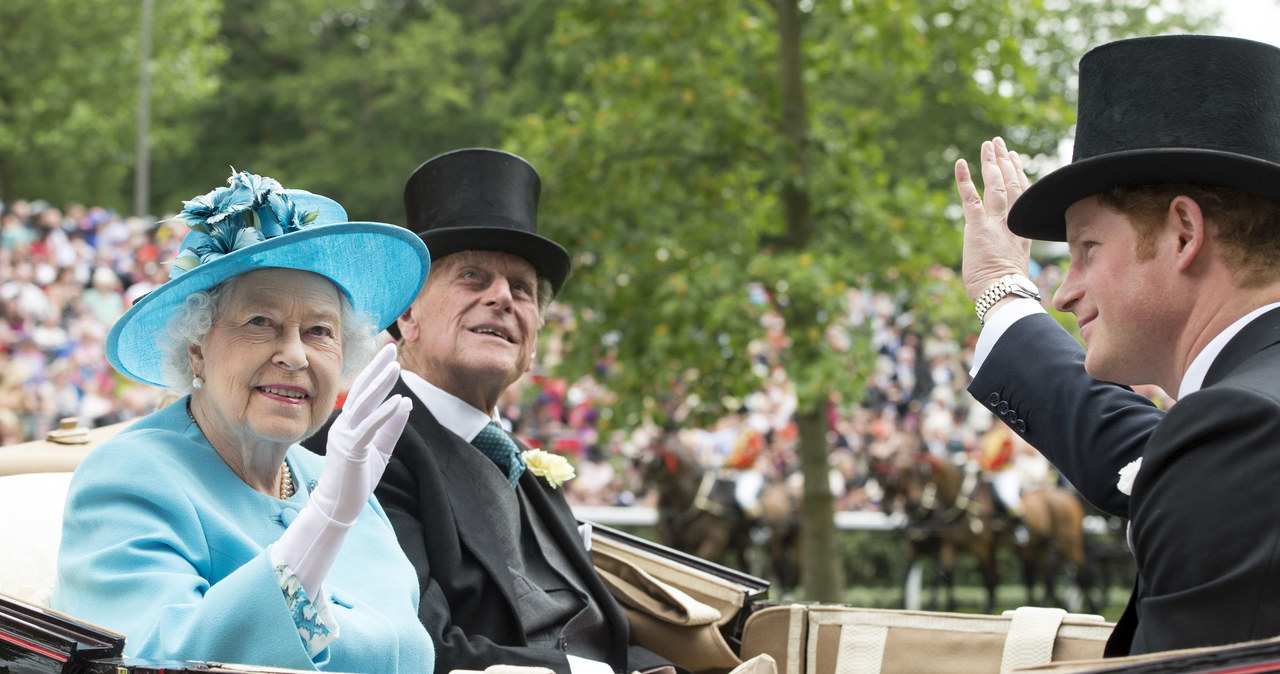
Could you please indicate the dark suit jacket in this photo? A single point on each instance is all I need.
(1205, 508)
(431, 494)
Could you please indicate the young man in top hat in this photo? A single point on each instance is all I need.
(505, 574)
(1170, 212)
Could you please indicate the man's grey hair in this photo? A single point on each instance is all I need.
(196, 316)
(545, 295)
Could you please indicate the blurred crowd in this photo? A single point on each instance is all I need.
(67, 273)
(915, 401)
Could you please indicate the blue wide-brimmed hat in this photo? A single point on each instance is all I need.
(257, 224)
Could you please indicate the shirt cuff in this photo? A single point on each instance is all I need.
(316, 625)
(1001, 321)
(579, 665)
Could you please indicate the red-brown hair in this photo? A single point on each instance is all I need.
(1247, 226)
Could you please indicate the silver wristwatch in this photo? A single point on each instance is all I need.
(1016, 284)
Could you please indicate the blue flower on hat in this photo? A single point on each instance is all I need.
(251, 209)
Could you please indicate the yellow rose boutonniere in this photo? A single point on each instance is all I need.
(553, 468)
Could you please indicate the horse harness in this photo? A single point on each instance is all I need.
(964, 503)
(702, 501)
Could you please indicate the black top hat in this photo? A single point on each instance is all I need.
(482, 199)
(1171, 109)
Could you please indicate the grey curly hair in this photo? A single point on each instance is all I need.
(193, 320)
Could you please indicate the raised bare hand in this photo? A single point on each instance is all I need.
(990, 249)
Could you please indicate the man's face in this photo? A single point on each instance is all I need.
(476, 323)
(1122, 304)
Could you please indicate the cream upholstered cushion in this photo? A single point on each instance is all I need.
(30, 528)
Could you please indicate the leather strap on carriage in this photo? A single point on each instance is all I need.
(1032, 632)
(863, 645)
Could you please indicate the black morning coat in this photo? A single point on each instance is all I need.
(1205, 509)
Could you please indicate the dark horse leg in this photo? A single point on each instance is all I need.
(1052, 565)
(1028, 574)
(1029, 554)
(946, 572)
(987, 563)
(1055, 543)
(783, 547)
(920, 547)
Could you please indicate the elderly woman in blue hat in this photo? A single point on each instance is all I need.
(205, 531)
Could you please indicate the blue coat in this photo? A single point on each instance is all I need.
(163, 543)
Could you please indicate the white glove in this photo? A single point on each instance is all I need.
(358, 448)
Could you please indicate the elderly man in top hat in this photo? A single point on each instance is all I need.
(1170, 212)
(505, 574)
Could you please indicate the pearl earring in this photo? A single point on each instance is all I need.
(197, 383)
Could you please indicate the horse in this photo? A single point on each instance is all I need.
(697, 511)
(952, 509)
(780, 517)
(947, 512)
(1054, 521)
(1107, 559)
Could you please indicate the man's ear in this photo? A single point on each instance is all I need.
(408, 324)
(1187, 222)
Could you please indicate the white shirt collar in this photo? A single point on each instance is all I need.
(451, 411)
(1193, 378)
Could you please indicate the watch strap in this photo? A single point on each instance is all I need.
(1010, 284)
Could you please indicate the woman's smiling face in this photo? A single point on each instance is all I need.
(272, 361)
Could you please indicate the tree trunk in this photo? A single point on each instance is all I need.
(794, 126)
(820, 542)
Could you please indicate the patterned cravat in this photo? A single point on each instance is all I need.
(494, 443)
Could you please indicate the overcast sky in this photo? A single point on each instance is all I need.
(1254, 19)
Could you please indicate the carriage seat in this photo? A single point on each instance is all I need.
(33, 487)
(31, 528)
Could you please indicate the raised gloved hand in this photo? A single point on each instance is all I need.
(358, 448)
(361, 439)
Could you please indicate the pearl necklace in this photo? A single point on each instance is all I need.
(287, 488)
(286, 482)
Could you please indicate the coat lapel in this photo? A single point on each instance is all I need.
(558, 518)
(465, 472)
(1263, 332)
(560, 521)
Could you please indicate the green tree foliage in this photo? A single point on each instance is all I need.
(710, 191)
(69, 72)
(347, 97)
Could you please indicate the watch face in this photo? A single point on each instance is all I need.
(1024, 285)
